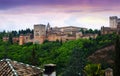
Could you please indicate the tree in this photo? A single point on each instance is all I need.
(117, 56)
(34, 58)
(82, 30)
(76, 64)
(89, 31)
(93, 70)
(10, 39)
(14, 33)
(6, 50)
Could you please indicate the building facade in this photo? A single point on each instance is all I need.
(114, 26)
(43, 32)
(25, 39)
(113, 21)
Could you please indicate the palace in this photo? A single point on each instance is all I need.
(114, 22)
(46, 32)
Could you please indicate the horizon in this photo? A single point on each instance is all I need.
(23, 14)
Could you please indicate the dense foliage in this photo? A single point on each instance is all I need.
(90, 31)
(93, 70)
(117, 56)
(15, 33)
(70, 57)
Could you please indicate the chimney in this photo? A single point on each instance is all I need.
(49, 70)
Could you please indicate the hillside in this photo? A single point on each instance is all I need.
(70, 56)
(104, 56)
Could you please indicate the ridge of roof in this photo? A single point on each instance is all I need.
(10, 67)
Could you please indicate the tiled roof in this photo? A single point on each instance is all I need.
(14, 68)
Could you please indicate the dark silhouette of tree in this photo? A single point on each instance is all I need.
(14, 33)
(76, 64)
(10, 41)
(6, 50)
(90, 31)
(117, 56)
(34, 58)
(82, 30)
(45, 41)
(27, 31)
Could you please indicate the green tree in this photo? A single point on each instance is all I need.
(93, 70)
(14, 33)
(82, 30)
(34, 57)
(76, 64)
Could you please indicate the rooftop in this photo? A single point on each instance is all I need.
(14, 68)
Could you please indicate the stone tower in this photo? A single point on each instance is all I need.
(39, 33)
(113, 21)
(48, 27)
(21, 40)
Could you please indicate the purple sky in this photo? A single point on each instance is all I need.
(22, 14)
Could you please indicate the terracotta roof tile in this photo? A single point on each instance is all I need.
(14, 68)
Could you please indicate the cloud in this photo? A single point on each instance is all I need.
(23, 21)
(8, 4)
(24, 14)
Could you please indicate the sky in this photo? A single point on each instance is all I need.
(22, 14)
